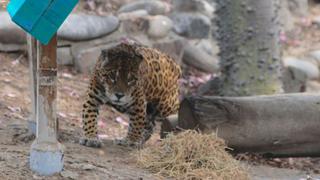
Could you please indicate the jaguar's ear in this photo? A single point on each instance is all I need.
(104, 58)
(137, 58)
(104, 53)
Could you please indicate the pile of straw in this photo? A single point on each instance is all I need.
(191, 156)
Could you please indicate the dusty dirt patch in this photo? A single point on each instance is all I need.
(109, 162)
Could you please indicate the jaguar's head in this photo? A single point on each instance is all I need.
(119, 72)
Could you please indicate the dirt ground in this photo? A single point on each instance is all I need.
(109, 162)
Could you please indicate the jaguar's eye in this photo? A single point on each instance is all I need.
(131, 80)
(112, 76)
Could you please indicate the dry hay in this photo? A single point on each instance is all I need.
(191, 156)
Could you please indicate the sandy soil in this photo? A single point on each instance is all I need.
(109, 162)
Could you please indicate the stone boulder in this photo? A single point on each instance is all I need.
(153, 7)
(309, 68)
(159, 26)
(299, 7)
(191, 25)
(12, 37)
(200, 59)
(200, 6)
(173, 46)
(294, 80)
(79, 27)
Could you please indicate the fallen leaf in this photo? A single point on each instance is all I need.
(101, 124)
(17, 61)
(72, 114)
(62, 115)
(103, 136)
(121, 121)
(67, 75)
(6, 80)
(12, 95)
(14, 109)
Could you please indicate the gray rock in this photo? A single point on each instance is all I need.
(79, 27)
(316, 56)
(154, 7)
(12, 37)
(78, 47)
(311, 59)
(133, 15)
(64, 56)
(289, 9)
(285, 16)
(142, 39)
(76, 27)
(316, 20)
(299, 7)
(10, 33)
(114, 36)
(313, 86)
(159, 26)
(294, 80)
(209, 46)
(191, 25)
(201, 6)
(199, 59)
(307, 67)
(4, 47)
(86, 59)
(134, 26)
(174, 47)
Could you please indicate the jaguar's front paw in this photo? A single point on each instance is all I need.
(128, 143)
(91, 142)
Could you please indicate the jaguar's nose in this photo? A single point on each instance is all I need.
(119, 95)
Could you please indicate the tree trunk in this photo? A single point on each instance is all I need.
(249, 47)
(282, 125)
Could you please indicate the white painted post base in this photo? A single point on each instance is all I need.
(46, 158)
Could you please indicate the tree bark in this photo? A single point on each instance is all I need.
(248, 36)
(281, 125)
